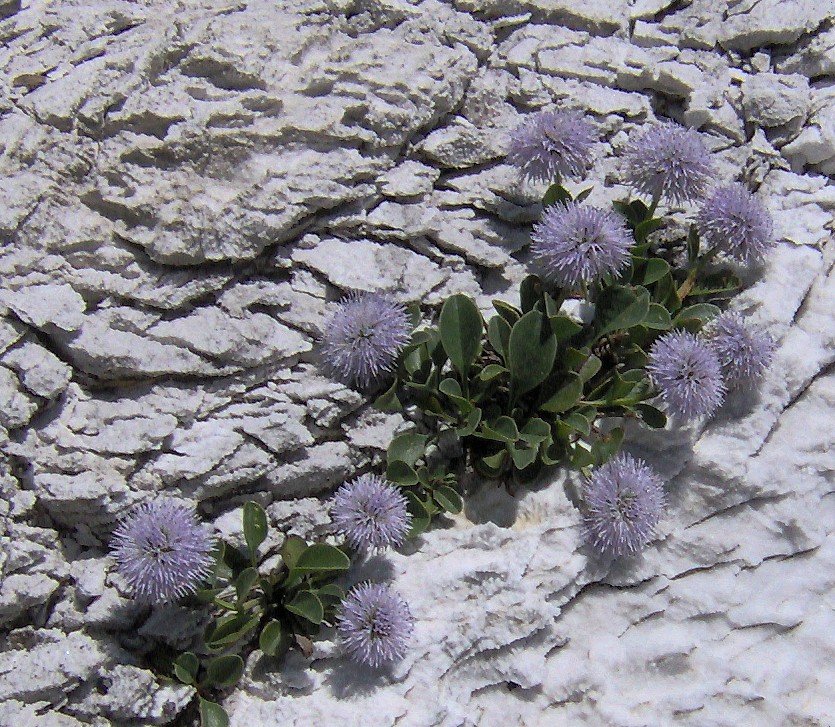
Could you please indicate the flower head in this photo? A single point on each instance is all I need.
(371, 513)
(624, 502)
(733, 221)
(744, 353)
(669, 160)
(375, 624)
(162, 550)
(687, 373)
(551, 145)
(577, 243)
(364, 337)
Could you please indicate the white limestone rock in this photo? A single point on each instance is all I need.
(47, 665)
(40, 370)
(772, 99)
(409, 179)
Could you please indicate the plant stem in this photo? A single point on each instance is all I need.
(654, 205)
(690, 280)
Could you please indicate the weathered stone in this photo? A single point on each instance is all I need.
(771, 99)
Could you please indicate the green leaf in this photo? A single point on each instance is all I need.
(470, 423)
(522, 456)
(185, 667)
(448, 499)
(274, 639)
(498, 333)
(530, 292)
(589, 368)
(388, 401)
(563, 327)
(556, 193)
(255, 527)
(583, 194)
(535, 431)
(625, 209)
(291, 550)
(607, 445)
(655, 270)
(245, 581)
(619, 308)
(644, 229)
(212, 715)
(228, 630)
(652, 417)
(493, 465)
(461, 328)
(225, 671)
(509, 313)
(408, 448)
(322, 558)
(665, 293)
(579, 422)
(502, 429)
(401, 473)
(532, 349)
(421, 517)
(716, 284)
(658, 318)
(491, 371)
(308, 606)
(330, 595)
(566, 397)
(701, 312)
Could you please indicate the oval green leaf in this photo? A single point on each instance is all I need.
(448, 499)
(245, 581)
(274, 639)
(185, 667)
(498, 333)
(619, 308)
(408, 448)
(321, 557)
(655, 270)
(401, 473)
(658, 318)
(461, 328)
(567, 396)
(308, 606)
(255, 527)
(532, 348)
(224, 671)
(212, 715)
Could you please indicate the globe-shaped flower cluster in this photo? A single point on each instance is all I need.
(375, 624)
(624, 501)
(363, 338)
(162, 550)
(371, 513)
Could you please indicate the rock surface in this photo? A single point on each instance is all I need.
(188, 189)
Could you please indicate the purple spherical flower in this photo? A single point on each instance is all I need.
(744, 353)
(624, 502)
(371, 513)
(577, 243)
(364, 337)
(669, 160)
(551, 145)
(687, 373)
(375, 624)
(733, 220)
(162, 550)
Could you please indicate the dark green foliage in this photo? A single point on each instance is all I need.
(529, 386)
(281, 608)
